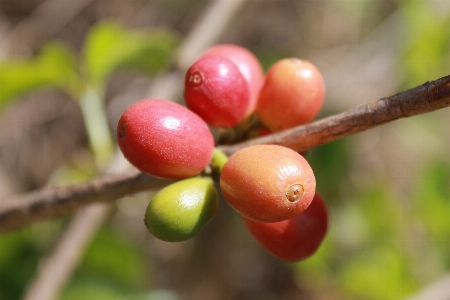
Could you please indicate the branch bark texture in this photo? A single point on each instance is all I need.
(56, 202)
(59, 201)
(426, 98)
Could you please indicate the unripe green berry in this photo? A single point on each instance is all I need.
(182, 209)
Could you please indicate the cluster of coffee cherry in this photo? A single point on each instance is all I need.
(272, 187)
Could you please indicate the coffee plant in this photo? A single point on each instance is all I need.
(239, 176)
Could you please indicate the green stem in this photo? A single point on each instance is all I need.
(96, 122)
(219, 159)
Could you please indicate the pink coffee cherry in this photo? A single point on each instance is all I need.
(164, 139)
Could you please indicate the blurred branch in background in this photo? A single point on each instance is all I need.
(207, 29)
(45, 21)
(56, 269)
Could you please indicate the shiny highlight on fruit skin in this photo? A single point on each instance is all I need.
(164, 139)
(294, 239)
(263, 183)
(181, 210)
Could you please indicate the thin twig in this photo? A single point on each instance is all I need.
(206, 30)
(423, 99)
(55, 202)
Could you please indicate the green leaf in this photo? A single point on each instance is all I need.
(54, 65)
(114, 257)
(18, 260)
(101, 289)
(93, 288)
(431, 196)
(427, 32)
(108, 47)
(331, 164)
(381, 273)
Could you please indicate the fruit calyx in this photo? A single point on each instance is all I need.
(295, 192)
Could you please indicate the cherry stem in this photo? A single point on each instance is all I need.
(219, 160)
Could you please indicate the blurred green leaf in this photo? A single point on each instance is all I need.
(364, 253)
(18, 261)
(431, 199)
(330, 163)
(427, 31)
(315, 272)
(54, 65)
(108, 47)
(382, 212)
(381, 273)
(93, 288)
(113, 257)
(268, 57)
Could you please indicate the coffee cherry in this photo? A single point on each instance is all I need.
(292, 94)
(249, 66)
(294, 239)
(217, 91)
(164, 139)
(268, 183)
(182, 209)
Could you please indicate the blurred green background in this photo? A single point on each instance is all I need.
(387, 189)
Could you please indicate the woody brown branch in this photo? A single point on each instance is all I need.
(56, 202)
(426, 98)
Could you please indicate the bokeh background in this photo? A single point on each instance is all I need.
(388, 189)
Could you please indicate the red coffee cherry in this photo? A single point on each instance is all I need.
(164, 139)
(292, 94)
(249, 66)
(217, 91)
(268, 183)
(294, 239)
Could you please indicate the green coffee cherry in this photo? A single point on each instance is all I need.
(182, 209)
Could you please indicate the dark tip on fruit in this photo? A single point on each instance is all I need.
(295, 192)
(196, 79)
(123, 130)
